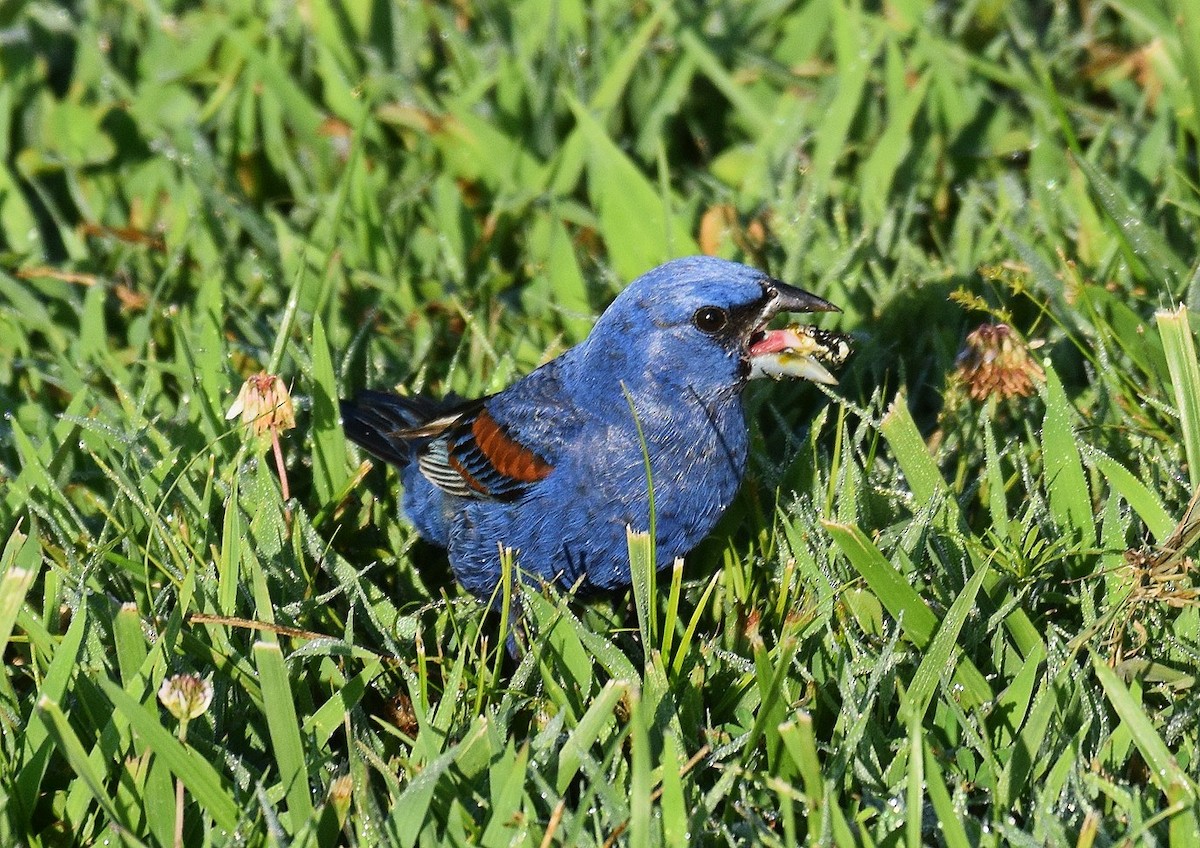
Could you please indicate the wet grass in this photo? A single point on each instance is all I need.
(935, 615)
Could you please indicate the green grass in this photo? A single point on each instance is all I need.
(917, 625)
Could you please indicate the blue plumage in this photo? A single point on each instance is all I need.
(553, 467)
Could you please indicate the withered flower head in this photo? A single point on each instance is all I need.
(995, 361)
(264, 405)
(186, 696)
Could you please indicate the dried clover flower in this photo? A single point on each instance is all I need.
(264, 404)
(996, 362)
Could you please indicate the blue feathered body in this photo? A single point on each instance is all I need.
(567, 440)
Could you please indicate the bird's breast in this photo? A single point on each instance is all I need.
(697, 456)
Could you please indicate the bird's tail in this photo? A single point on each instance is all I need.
(382, 423)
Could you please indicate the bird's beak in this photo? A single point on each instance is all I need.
(795, 351)
(784, 298)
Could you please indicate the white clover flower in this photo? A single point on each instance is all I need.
(186, 696)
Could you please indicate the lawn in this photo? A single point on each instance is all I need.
(953, 602)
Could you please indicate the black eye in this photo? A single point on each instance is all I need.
(710, 319)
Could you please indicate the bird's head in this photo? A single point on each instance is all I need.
(701, 322)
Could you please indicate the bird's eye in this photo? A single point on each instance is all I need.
(710, 319)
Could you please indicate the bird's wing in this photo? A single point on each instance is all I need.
(458, 446)
(471, 455)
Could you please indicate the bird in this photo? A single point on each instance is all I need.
(554, 467)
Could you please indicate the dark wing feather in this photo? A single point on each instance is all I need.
(394, 427)
(461, 449)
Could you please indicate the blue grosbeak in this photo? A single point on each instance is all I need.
(553, 465)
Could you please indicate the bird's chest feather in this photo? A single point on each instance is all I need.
(697, 455)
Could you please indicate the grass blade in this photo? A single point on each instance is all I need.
(1180, 350)
(949, 820)
(641, 571)
(640, 786)
(915, 789)
(19, 567)
(328, 441)
(1165, 772)
(598, 717)
(72, 749)
(284, 727)
(938, 657)
(1066, 484)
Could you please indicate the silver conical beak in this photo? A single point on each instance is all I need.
(785, 298)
